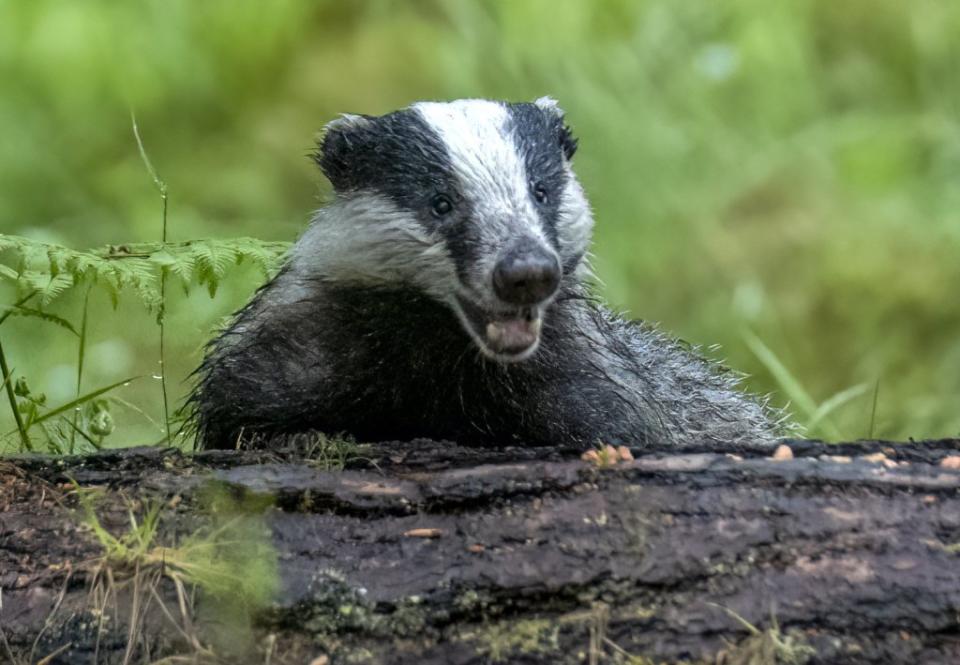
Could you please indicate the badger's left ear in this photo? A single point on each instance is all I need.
(568, 142)
(337, 147)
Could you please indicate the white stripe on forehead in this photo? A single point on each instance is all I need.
(485, 159)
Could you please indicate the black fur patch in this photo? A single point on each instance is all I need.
(543, 141)
(398, 155)
(401, 156)
(392, 363)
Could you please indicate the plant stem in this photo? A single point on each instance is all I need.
(161, 315)
(22, 301)
(162, 188)
(873, 410)
(8, 385)
(81, 352)
(163, 368)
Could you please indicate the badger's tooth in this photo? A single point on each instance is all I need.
(494, 332)
(535, 325)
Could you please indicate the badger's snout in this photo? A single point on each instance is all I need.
(506, 324)
(527, 274)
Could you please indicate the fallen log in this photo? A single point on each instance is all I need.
(429, 552)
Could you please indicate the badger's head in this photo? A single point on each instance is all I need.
(472, 202)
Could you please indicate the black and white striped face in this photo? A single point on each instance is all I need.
(472, 201)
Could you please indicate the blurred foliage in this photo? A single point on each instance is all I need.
(785, 172)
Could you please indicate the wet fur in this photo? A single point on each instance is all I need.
(383, 364)
(355, 335)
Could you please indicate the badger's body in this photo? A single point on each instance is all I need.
(441, 294)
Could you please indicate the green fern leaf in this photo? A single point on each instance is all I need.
(55, 287)
(58, 259)
(7, 242)
(215, 257)
(180, 264)
(9, 273)
(20, 310)
(111, 282)
(31, 256)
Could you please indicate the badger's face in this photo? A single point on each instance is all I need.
(473, 202)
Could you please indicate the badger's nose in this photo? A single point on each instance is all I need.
(526, 275)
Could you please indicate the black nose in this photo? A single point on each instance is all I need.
(526, 276)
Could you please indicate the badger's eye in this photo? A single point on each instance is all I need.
(539, 192)
(441, 205)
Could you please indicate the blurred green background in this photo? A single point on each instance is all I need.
(787, 170)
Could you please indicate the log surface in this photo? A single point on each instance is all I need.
(428, 552)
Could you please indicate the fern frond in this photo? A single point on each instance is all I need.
(20, 310)
(259, 255)
(52, 269)
(32, 257)
(82, 265)
(9, 273)
(212, 263)
(48, 287)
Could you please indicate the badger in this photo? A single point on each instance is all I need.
(444, 293)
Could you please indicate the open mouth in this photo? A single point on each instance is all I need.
(507, 335)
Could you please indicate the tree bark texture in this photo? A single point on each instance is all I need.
(428, 552)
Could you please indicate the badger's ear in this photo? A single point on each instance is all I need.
(568, 142)
(337, 147)
(549, 104)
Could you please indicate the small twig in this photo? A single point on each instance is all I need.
(134, 616)
(616, 647)
(598, 632)
(46, 660)
(271, 644)
(49, 620)
(166, 612)
(182, 602)
(6, 645)
(739, 619)
(96, 647)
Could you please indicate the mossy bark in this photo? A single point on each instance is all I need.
(428, 552)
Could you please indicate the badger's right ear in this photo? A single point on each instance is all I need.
(568, 142)
(337, 147)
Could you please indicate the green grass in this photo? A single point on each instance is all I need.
(766, 647)
(229, 559)
(784, 168)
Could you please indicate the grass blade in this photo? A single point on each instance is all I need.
(6, 379)
(79, 431)
(25, 443)
(835, 402)
(136, 409)
(788, 383)
(82, 400)
(873, 410)
(795, 392)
